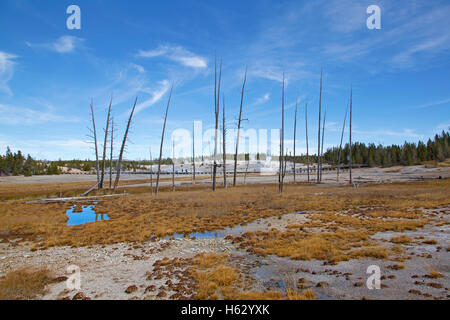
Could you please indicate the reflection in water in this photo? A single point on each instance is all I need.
(79, 215)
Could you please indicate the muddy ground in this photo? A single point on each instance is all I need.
(127, 270)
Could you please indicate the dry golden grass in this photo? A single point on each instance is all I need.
(370, 252)
(216, 280)
(24, 284)
(435, 274)
(401, 239)
(437, 164)
(138, 216)
(338, 236)
(330, 246)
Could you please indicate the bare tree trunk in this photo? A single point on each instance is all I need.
(280, 187)
(162, 142)
(111, 154)
(318, 132)
(340, 145)
(216, 114)
(124, 141)
(151, 171)
(307, 143)
(321, 147)
(224, 151)
(173, 166)
(100, 186)
(295, 131)
(95, 142)
(193, 154)
(239, 128)
(280, 167)
(350, 137)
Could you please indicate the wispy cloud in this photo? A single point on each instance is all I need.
(432, 104)
(138, 67)
(429, 46)
(155, 95)
(64, 44)
(6, 70)
(48, 148)
(444, 126)
(25, 116)
(263, 99)
(346, 15)
(405, 133)
(176, 53)
(268, 72)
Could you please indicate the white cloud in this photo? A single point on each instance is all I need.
(6, 71)
(155, 95)
(346, 15)
(261, 100)
(270, 73)
(433, 103)
(429, 46)
(49, 149)
(161, 50)
(138, 67)
(64, 44)
(444, 126)
(25, 116)
(405, 133)
(178, 54)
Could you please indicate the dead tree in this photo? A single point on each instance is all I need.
(224, 151)
(162, 142)
(216, 114)
(340, 145)
(323, 138)
(239, 128)
(94, 132)
(105, 143)
(173, 165)
(111, 153)
(307, 144)
(193, 153)
(282, 166)
(122, 148)
(295, 131)
(151, 171)
(318, 132)
(350, 137)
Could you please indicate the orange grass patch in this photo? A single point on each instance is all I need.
(136, 217)
(24, 284)
(216, 280)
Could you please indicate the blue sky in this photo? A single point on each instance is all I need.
(48, 73)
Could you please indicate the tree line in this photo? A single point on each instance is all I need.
(408, 154)
(15, 164)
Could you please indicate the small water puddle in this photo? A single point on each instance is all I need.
(237, 230)
(79, 215)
